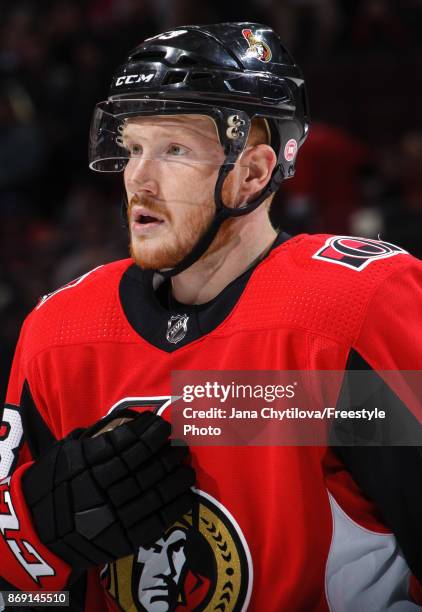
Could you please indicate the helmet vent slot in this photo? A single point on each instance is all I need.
(185, 60)
(150, 56)
(199, 75)
(174, 77)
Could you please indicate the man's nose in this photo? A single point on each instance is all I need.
(142, 174)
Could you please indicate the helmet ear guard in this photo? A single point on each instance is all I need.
(231, 72)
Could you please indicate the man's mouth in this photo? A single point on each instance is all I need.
(143, 219)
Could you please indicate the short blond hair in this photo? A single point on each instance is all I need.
(259, 132)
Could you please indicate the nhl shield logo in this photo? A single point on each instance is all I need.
(177, 327)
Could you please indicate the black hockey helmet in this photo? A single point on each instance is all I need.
(232, 72)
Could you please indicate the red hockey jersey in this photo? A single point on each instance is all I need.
(275, 528)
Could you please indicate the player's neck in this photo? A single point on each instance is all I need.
(248, 240)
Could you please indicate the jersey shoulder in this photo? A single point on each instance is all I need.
(84, 310)
(335, 255)
(323, 283)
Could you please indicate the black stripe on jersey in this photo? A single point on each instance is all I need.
(37, 434)
(391, 476)
(149, 311)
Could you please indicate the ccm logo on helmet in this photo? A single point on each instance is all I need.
(355, 253)
(131, 79)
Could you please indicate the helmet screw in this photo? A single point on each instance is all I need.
(234, 133)
(235, 121)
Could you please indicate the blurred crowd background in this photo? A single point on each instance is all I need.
(360, 171)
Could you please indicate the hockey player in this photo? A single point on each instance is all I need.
(205, 122)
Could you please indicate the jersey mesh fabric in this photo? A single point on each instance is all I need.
(320, 296)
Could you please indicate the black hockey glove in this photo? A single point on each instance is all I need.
(97, 499)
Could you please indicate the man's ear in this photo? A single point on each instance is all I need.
(259, 162)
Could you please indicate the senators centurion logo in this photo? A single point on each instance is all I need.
(258, 49)
(201, 563)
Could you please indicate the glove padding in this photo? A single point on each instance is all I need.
(97, 499)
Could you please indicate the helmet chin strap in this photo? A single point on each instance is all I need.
(222, 213)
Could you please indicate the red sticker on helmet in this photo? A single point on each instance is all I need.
(290, 150)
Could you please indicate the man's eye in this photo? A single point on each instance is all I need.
(177, 150)
(135, 149)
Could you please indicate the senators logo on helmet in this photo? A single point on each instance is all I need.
(258, 49)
